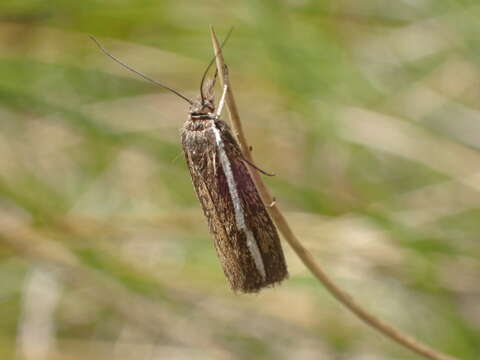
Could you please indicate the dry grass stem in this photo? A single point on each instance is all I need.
(305, 256)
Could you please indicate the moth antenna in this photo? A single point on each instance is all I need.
(202, 95)
(138, 72)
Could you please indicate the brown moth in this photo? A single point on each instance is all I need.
(245, 238)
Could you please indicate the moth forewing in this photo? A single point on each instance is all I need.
(245, 238)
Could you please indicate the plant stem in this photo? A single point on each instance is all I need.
(305, 256)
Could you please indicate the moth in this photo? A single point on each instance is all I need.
(245, 238)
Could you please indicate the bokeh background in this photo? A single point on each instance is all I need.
(367, 111)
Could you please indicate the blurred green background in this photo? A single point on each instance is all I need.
(368, 113)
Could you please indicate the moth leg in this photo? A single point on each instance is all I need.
(225, 72)
(256, 167)
(222, 102)
(215, 77)
(214, 162)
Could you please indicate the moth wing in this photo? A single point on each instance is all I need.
(256, 215)
(212, 190)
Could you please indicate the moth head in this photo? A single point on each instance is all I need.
(204, 107)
